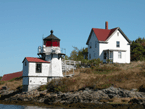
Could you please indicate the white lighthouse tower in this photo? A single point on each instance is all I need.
(51, 52)
(39, 71)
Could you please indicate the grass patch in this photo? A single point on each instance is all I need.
(2, 82)
(142, 73)
(103, 69)
(17, 79)
(106, 68)
(86, 70)
(101, 72)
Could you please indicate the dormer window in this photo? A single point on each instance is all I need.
(117, 44)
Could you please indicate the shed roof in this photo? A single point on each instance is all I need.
(32, 59)
(10, 76)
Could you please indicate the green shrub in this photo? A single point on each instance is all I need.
(42, 88)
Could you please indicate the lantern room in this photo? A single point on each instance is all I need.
(51, 40)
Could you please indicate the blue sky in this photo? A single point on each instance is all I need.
(24, 22)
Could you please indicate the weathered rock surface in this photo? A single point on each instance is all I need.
(82, 96)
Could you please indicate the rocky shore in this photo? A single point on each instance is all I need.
(104, 96)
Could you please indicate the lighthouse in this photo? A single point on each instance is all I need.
(51, 52)
(39, 71)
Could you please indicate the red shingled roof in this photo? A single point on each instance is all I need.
(10, 76)
(103, 34)
(32, 59)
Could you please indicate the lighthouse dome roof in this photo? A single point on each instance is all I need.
(51, 37)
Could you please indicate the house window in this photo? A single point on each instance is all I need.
(119, 54)
(89, 56)
(117, 33)
(117, 44)
(95, 44)
(105, 54)
(90, 44)
(38, 68)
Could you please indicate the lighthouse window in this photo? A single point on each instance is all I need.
(38, 68)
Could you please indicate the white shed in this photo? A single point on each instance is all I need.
(35, 73)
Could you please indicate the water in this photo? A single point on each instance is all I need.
(3, 106)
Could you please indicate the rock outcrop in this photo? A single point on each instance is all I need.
(82, 96)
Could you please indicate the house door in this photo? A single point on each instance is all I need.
(111, 56)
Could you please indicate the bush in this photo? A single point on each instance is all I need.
(142, 88)
(94, 62)
(42, 88)
(62, 85)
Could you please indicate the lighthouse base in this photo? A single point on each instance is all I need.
(30, 87)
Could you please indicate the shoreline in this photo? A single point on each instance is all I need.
(74, 105)
(86, 98)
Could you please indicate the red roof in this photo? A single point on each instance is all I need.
(103, 34)
(32, 59)
(10, 76)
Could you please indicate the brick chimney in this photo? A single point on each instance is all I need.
(106, 25)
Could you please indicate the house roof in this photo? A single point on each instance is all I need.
(32, 59)
(104, 34)
(51, 37)
(10, 76)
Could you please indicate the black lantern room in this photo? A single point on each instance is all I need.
(51, 40)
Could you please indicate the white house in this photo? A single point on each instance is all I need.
(110, 44)
(39, 71)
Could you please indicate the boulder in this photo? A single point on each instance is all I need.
(136, 101)
(4, 88)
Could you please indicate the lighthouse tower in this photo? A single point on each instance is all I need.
(51, 52)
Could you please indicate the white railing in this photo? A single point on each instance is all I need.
(68, 65)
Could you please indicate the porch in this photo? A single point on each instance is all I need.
(109, 57)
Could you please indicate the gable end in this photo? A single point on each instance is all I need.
(87, 43)
(124, 35)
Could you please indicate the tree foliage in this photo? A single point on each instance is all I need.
(138, 49)
(77, 54)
